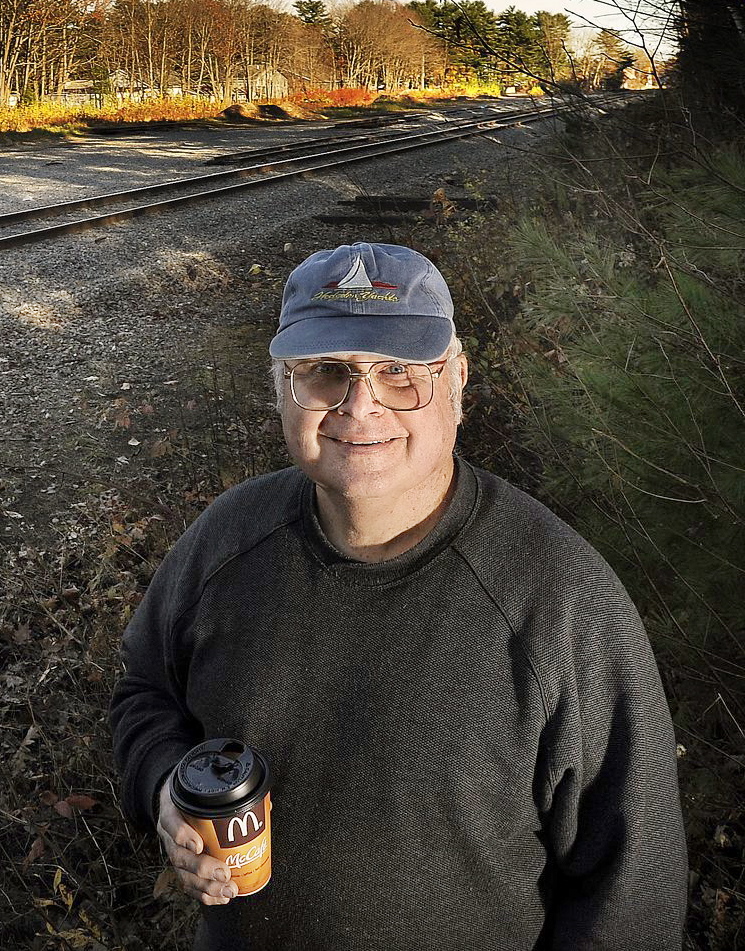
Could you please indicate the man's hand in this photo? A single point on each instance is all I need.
(201, 876)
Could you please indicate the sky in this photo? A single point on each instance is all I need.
(600, 14)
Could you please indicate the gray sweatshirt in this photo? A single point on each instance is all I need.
(471, 744)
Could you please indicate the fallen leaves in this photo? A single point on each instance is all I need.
(81, 802)
(37, 849)
(22, 634)
(119, 413)
(160, 447)
(66, 807)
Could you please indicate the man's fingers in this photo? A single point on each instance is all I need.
(187, 838)
(201, 876)
(202, 866)
(180, 835)
(208, 892)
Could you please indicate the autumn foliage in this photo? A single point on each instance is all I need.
(55, 115)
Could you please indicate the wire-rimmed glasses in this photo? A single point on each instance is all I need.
(324, 385)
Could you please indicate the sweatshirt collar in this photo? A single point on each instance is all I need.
(458, 512)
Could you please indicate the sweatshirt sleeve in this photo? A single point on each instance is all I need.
(151, 725)
(613, 818)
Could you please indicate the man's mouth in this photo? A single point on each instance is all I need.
(361, 442)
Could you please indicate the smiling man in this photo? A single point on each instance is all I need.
(470, 742)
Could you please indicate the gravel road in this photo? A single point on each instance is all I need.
(111, 336)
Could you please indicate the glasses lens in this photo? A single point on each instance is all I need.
(320, 384)
(402, 386)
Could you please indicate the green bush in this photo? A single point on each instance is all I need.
(634, 384)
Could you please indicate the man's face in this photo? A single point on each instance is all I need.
(363, 450)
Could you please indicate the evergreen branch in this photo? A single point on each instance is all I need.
(679, 575)
(485, 46)
(667, 200)
(725, 562)
(652, 465)
(700, 739)
(720, 699)
(623, 525)
(561, 459)
(714, 358)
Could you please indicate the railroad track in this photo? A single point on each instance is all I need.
(267, 166)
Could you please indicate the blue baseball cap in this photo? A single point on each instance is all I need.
(365, 298)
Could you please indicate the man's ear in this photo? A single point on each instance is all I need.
(463, 369)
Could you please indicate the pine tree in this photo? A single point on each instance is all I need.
(519, 42)
(552, 37)
(312, 11)
(613, 57)
(468, 29)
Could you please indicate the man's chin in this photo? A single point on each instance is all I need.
(356, 486)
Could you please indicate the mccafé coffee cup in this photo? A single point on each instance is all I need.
(222, 788)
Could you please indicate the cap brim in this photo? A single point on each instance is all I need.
(420, 339)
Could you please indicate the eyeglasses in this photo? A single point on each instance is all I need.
(325, 384)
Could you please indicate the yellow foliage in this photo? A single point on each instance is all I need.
(57, 116)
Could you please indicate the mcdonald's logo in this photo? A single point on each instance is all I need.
(241, 828)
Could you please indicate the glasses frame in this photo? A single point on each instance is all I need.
(289, 374)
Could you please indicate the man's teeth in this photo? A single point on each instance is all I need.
(372, 442)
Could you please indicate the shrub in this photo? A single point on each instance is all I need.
(346, 96)
(636, 400)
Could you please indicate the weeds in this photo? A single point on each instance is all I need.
(61, 117)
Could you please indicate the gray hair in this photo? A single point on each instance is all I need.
(455, 389)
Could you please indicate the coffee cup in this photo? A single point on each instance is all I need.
(222, 787)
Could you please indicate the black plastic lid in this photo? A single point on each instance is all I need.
(216, 774)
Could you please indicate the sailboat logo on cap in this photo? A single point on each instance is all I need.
(356, 285)
(356, 277)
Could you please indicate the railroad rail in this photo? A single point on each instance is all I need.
(269, 166)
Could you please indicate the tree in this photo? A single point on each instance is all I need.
(712, 52)
(614, 56)
(519, 43)
(38, 42)
(314, 58)
(313, 11)
(378, 45)
(468, 30)
(553, 31)
(510, 46)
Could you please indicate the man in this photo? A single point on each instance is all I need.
(470, 740)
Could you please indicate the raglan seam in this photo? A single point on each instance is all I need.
(525, 649)
(223, 564)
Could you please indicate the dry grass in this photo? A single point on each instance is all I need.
(67, 118)
(61, 117)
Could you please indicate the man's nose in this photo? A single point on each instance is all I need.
(360, 399)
